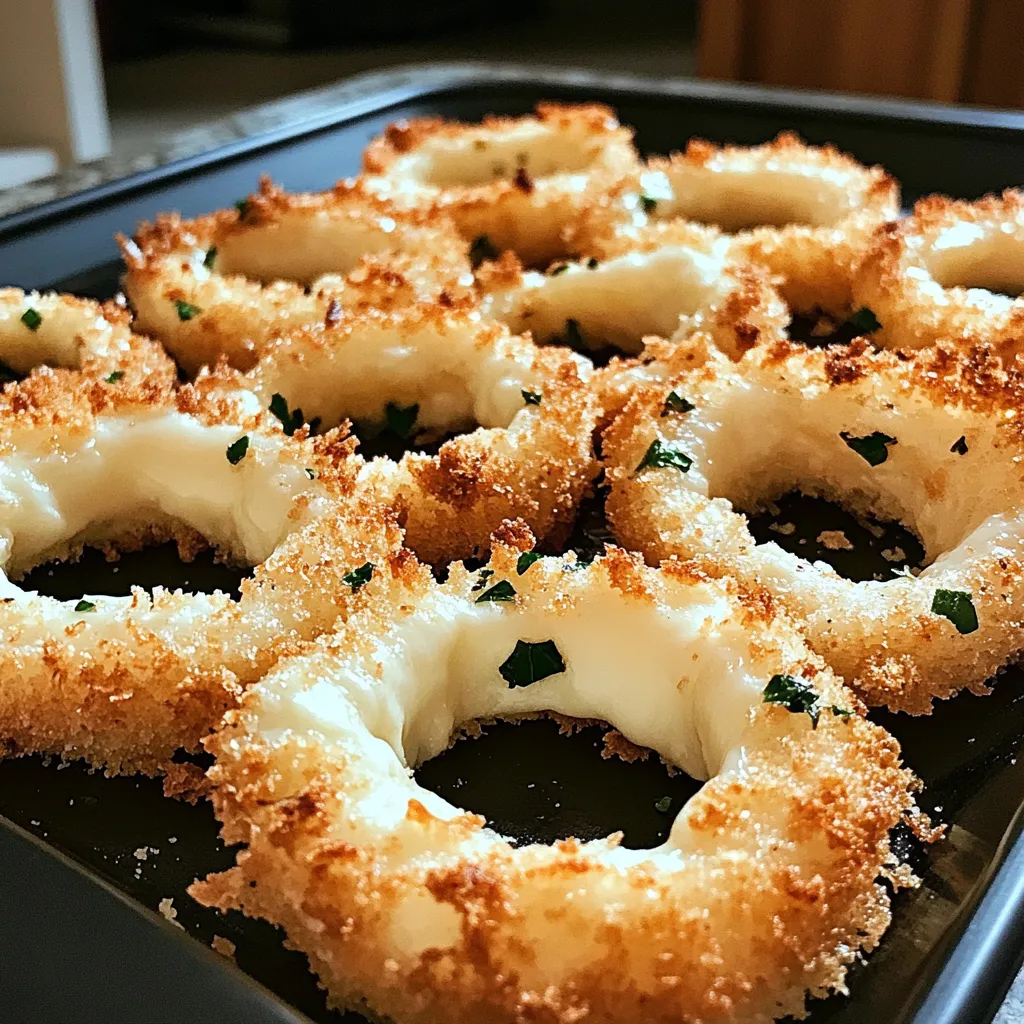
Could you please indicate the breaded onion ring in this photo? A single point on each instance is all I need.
(933, 440)
(675, 289)
(766, 889)
(804, 212)
(936, 276)
(125, 459)
(515, 183)
(226, 283)
(442, 371)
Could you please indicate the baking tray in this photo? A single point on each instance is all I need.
(87, 860)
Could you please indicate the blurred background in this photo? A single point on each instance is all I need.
(87, 80)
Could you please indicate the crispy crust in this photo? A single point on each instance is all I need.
(817, 208)
(283, 260)
(521, 182)
(536, 465)
(777, 890)
(967, 508)
(926, 277)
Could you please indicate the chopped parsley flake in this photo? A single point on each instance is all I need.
(186, 311)
(572, 336)
(359, 577)
(525, 560)
(958, 607)
(662, 456)
(676, 403)
(873, 448)
(401, 421)
(242, 206)
(482, 577)
(864, 321)
(237, 449)
(311, 473)
(113, 378)
(290, 421)
(959, 446)
(561, 268)
(85, 606)
(663, 805)
(501, 591)
(481, 249)
(593, 263)
(648, 203)
(529, 663)
(210, 257)
(840, 712)
(31, 318)
(531, 397)
(792, 694)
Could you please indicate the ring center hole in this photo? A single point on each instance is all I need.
(859, 548)
(160, 565)
(539, 780)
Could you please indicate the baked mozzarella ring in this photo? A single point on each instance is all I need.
(126, 460)
(433, 372)
(766, 889)
(227, 283)
(931, 439)
(688, 284)
(952, 271)
(508, 183)
(805, 212)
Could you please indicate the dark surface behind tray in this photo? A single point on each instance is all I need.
(531, 782)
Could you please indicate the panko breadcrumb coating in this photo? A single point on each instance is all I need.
(766, 889)
(952, 272)
(932, 439)
(806, 213)
(530, 454)
(516, 183)
(227, 283)
(123, 458)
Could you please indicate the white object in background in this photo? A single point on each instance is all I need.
(51, 79)
(18, 166)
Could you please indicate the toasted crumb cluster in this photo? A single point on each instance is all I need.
(530, 310)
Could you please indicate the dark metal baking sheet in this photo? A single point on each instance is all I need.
(955, 942)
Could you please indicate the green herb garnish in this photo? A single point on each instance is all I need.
(873, 448)
(481, 249)
(958, 607)
(401, 421)
(560, 269)
(311, 473)
(959, 446)
(186, 311)
(242, 206)
(290, 421)
(593, 263)
(662, 806)
(501, 591)
(113, 378)
(864, 321)
(237, 449)
(572, 336)
(676, 403)
(31, 319)
(208, 259)
(648, 203)
(529, 663)
(661, 456)
(482, 577)
(792, 694)
(85, 606)
(358, 577)
(531, 397)
(525, 560)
